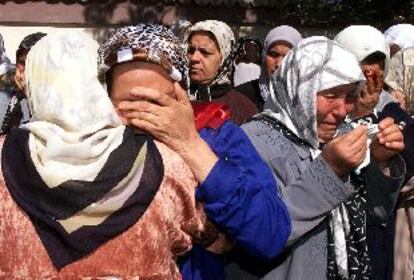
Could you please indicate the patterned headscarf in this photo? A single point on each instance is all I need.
(281, 33)
(149, 43)
(316, 64)
(227, 45)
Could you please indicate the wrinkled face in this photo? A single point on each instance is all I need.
(275, 54)
(127, 76)
(332, 106)
(204, 56)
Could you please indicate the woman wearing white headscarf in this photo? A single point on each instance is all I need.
(211, 50)
(400, 36)
(369, 46)
(314, 89)
(277, 44)
(86, 196)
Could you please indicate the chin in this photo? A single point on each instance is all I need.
(326, 137)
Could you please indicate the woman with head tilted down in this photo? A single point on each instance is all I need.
(87, 196)
(314, 89)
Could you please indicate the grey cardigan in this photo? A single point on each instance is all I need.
(310, 190)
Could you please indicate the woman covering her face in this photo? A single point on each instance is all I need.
(90, 196)
(315, 88)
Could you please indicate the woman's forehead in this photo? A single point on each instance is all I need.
(203, 39)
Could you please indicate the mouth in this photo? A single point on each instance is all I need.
(194, 70)
(331, 126)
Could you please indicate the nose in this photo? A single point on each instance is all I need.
(343, 108)
(194, 57)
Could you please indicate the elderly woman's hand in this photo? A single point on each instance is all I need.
(370, 92)
(347, 151)
(170, 121)
(389, 143)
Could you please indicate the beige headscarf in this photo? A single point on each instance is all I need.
(75, 127)
(401, 75)
(227, 44)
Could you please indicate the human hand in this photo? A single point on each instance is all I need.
(370, 92)
(169, 120)
(347, 151)
(389, 142)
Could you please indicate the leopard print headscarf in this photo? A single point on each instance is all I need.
(145, 42)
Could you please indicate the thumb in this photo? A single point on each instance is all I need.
(180, 93)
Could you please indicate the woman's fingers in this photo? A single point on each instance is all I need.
(152, 95)
(139, 106)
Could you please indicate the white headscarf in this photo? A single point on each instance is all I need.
(401, 35)
(75, 127)
(281, 33)
(364, 40)
(316, 64)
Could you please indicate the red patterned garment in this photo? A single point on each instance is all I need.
(147, 250)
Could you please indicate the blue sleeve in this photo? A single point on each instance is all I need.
(240, 194)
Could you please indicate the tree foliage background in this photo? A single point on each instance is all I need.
(380, 13)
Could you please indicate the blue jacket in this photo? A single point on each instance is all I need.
(240, 196)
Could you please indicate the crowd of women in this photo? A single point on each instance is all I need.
(175, 153)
